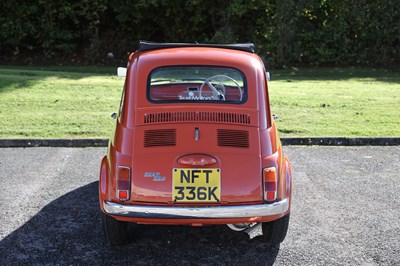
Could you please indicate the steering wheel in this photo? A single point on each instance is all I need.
(218, 90)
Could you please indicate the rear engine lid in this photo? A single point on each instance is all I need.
(196, 163)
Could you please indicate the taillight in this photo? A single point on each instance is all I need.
(123, 183)
(270, 183)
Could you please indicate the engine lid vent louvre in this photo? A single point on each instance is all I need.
(165, 117)
(159, 137)
(233, 138)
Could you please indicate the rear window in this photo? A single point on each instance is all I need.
(197, 84)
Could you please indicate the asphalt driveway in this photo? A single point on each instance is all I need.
(345, 211)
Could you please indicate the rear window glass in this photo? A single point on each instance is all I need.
(197, 84)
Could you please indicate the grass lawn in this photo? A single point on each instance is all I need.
(77, 102)
(57, 104)
(336, 102)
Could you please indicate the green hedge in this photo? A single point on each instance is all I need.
(286, 32)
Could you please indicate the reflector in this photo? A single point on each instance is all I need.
(123, 194)
(271, 196)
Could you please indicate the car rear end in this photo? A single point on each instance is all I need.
(194, 142)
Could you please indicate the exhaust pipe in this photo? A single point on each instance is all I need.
(251, 229)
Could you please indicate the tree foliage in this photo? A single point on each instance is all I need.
(286, 32)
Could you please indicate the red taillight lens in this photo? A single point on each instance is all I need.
(270, 183)
(123, 194)
(123, 183)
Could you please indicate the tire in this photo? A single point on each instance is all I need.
(275, 232)
(115, 232)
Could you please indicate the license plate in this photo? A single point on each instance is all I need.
(196, 185)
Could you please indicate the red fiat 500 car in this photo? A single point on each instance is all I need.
(195, 144)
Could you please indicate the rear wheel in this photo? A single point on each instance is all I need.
(115, 232)
(275, 232)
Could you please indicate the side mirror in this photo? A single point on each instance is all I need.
(121, 72)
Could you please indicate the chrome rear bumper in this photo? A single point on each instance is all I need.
(215, 212)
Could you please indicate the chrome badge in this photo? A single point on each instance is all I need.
(155, 175)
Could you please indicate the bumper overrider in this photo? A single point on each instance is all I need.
(215, 212)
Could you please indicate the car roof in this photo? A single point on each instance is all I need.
(146, 46)
(151, 55)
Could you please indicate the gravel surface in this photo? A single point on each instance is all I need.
(345, 211)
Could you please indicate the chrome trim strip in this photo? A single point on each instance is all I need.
(215, 212)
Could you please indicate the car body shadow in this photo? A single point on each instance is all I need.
(68, 231)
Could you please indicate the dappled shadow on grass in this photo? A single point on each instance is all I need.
(108, 70)
(68, 231)
(12, 77)
(332, 74)
(290, 131)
